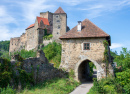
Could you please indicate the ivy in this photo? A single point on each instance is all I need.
(106, 56)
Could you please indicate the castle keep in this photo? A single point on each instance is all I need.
(55, 24)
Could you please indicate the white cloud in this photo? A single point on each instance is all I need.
(116, 45)
(32, 8)
(5, 17)
(98, 8)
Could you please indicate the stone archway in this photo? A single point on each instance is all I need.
(84, 74)
(80, 68)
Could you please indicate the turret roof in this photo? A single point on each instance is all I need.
(59, 10)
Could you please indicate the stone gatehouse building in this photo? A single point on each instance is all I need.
(55, 23)
(83, 44)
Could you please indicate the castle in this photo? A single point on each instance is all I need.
(80, 45)
(55, 24)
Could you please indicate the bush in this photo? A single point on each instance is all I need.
(5, 73)
(48, 37)
(26, 54)
(7, 90)
(53, 53)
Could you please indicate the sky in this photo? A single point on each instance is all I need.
(112, 16)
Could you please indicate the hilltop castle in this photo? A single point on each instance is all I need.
(55, 24)
(82, 44)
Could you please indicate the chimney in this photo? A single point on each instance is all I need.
(79, 26)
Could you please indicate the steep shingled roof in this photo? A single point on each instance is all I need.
(32, 25)
(59, 10)
(88, 30)
(45, 20)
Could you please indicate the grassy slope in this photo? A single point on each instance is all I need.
(55, 86)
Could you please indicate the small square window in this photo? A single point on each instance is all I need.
(58, 20)
(59, 27)
(56, 16)
(86, 46)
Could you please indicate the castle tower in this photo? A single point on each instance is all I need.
(59, 24)
(49, 16)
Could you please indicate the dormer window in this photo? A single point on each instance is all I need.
(86, 46)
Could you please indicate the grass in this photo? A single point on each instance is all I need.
(55, 86)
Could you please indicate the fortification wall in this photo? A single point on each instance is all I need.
(42, 69)
(31, 38)
(14, 44)
(46, 42)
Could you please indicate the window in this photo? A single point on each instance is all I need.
(58, 20)
(58, 26)
(56, 16)
(86, 46)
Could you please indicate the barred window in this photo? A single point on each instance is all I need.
(86, 46)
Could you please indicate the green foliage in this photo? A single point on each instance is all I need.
(48, 37)
(123, 59)
(54, 86)
(53, 53)
(7, 90)
(4, 45)
(113, 54)
(91, 66)
(5, 73)
(121, 83)
(26, 54)
(5, 54)
(123, 78)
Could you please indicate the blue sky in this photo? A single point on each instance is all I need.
(112, 16)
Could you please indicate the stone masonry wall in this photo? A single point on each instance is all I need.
(42, 69)
(46, 42)
(49, 16)
(73, 54)
(16, 44)
(31, 38)
(59, 26)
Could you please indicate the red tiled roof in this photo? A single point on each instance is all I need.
(32, 25)
(59, 10)
(88, 30)
(45, 20)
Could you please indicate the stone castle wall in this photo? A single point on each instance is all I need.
(31, 39)
(34, 35)
(42, 69)
(46, 42)
(49, 16)
(59, 26)
(18, 43)
(73, 54)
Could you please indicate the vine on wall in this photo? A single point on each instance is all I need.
(106, 56)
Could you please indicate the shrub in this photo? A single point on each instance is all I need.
(26, 54)
(5, 73)
(7, 90)
(53, 53)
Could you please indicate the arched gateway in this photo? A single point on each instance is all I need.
(82, 69)
(82, 44)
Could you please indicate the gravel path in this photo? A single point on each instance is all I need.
(84, 87)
